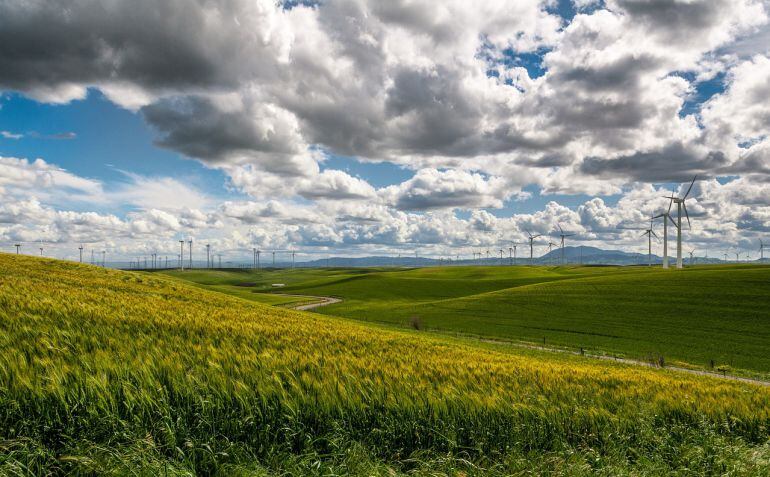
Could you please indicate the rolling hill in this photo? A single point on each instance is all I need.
(703, 316)
(104, 371)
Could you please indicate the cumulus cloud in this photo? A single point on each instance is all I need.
(435, 189)
(479, 99)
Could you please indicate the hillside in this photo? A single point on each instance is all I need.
(136, 373)
(703, 316)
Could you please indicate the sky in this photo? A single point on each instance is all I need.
(361, 127)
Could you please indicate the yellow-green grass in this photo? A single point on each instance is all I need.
(700, 316)
(107, 371)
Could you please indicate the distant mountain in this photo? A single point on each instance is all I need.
(572, 256)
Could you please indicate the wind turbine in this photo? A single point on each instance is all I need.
(649, 233)
(691, 256)
(666, 219)
(292, 259)
(81, 253)
(181, 254)
(510, 255)
(501, 256)
(761, 251)
(562, 235)
(551, 245)
(680, 204)
(514, 253)
(531, 244)
(190, 243)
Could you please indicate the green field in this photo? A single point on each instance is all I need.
(125, 373)
(691, 317)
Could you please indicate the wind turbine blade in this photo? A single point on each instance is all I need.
(645, 233)
(560, 229)
(684, 206)
(690, 188)
(654, 234)
(672, 220)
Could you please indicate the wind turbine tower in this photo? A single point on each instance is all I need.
(761, 251)
(208, 255)
(562, 235)
(551, 245)
(81, 253)
(532, 245)
(181, 254)
(666, 218)
(190, 243)
(649, 233)
(692, 259)
(680, 204)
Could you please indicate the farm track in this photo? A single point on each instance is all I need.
(322, 301)
(636, 362)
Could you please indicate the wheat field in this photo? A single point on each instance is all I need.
(126, 373)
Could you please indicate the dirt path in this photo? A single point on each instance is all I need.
(322, 301)
(636, 362)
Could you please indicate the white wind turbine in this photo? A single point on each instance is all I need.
(666, 219)
(649, 232)
(563, 236)
(761, 251)
(531, 244)
(680, 204)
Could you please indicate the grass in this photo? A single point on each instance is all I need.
(118, 372)
(695, 317)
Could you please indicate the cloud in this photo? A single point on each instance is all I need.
(10, 135)
(265, 93)
(435, 189)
